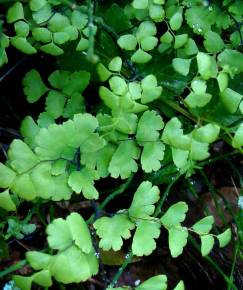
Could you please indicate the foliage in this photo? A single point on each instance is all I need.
(164, 91)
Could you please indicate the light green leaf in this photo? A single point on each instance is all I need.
(115, 64)
(153, 153)
(180, 40)
(52, 49)
(21, 28)
(38, 260)
(21, 157)
(199, 19)
(23, 45)
(34, 87)
(149, 43)
(6, 201)
(142, 206)
(112, 230)
(158, 282)
(190, 47)
(83, 181)
(42, 34)
(204, 225)
(223, 80)
(156, 12)
(59, 234)
(78, 81)
(123, 161)
(140, 4)
(213, 42)
(43, 14)
(78, 19)
(135, 90)
(207, 243)
(208, 133)
(49, 186)
(224, 238)
(118, 85)
(177, 240)
(146, 28)
(167, 37)
(140, 56)
(127, 42)
(231, 61)
(83, 44)
(36, 5)
(7, 176)
(73, 266)
(59, 167)
(59, 79)
(80, 232)
(60, 37)
(173, 135)
(175, 214)
(230, 99)
(143, 241)
(199, 150)
(180, 157)
(148, 126)
(180, 286)
(55, 102)
(206, 65)
(99, 160)
(103, 72)
(24, 283)
(15, 12)
(24, 187)
(194, 100)
(237, 140)
(182, 66)
(176, 20)
(58, 22)
(43, 278)
(199, 86)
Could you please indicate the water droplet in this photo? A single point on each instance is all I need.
(97, 254)
(199, 30)
(210, 8)
(127, 256)
(137, 282)
(193, 25)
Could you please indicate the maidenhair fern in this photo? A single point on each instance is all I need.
(164, 90)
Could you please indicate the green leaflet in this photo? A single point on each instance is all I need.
(113, 230)
(177, 240)
(21, 157)
(143, 241)
(15, 12)
(7, 176)
(34, 87)
(6, 201)
(142, 206)
(224, 238)
(175, 214)
(83, 181)
(73, 266)
(38, 260)
(148, 126)
(153, 153)
(207, 243)
(158, 282)
(180, 286)
(237, 141)
(123, 161)
(204, 225)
